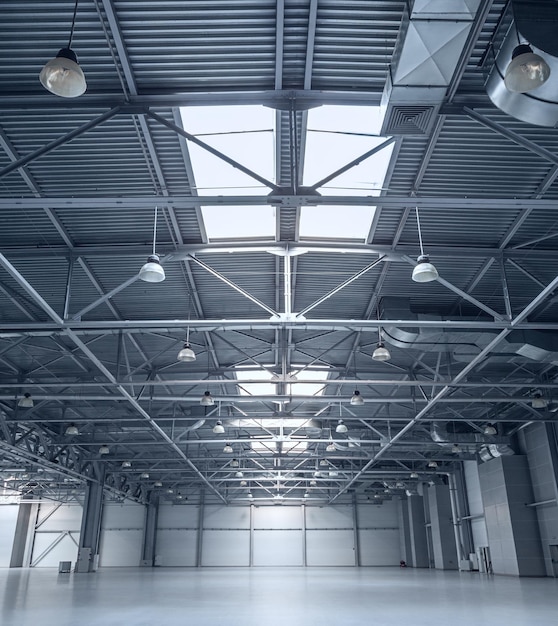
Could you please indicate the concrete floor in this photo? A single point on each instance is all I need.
(273, 597)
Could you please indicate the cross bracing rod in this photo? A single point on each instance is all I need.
(37, 298)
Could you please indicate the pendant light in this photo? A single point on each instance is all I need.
(144, 475)
(341, 427)
(413, 475)
(158, 484)
(357, 399)
(432, 464)
(489, 430)
(187, 355)
(152, 271)
(104, 450)
(72, 430)
(126, 464)
(63, 76)
(381, 353)
(218, 429)
(526, 71)
(228, 449)
(424, 271)
(26, 402)
(330, 447)
(207, 399)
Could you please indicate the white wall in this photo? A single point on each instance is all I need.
(8, 519)
(277, 535)
(56, 535)
(121, 535)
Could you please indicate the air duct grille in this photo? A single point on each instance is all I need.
(408, 119)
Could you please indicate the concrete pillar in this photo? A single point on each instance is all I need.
(405, 533)
(23, 537)
(89, 539)
(417, 531)
(150, 532)
(441, 524)
(513, 533)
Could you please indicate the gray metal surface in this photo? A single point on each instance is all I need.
(97, 347)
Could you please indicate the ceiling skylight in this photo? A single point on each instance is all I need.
(269, 388)
(239, 222)
(337, 135)
(336, 222)
(244, 133)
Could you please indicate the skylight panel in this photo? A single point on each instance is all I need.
(244, 133)
(239, 222)
(336, 136)
(306, 389)
(265, 388)
(336, 222)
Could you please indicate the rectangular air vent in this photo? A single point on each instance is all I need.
(408, 119)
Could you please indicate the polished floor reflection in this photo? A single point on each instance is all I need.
(273, 597)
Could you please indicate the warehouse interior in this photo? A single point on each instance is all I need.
(278, 310)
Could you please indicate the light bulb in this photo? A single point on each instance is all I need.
(526, 71)
(152, 271)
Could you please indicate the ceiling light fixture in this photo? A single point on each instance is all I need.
(489, 430)
(228, 448)
(424, 271)
(341, 427)
(357, 399)
(26, 402)
(187, 355)
(157, 483)
(240, 474)
(152, 271)
(455, 449)
(330, 447)
(207, 400)
(62, 75)
(381, 353)
(538, 401)
(218, 429)
(243, 483)
(413, 475)
(126, 464)
(526, 70)
(432, 464)
(72, 430)
(144, 475)
(104, 450)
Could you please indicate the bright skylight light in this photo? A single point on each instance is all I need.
(270, 388)
(239, 222)
(334, 222)
(336, 136)
(255, 389)
(244, 133)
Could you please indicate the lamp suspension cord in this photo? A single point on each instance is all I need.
(189, 310)
(419, 233)
(155, 230)
(73, 24)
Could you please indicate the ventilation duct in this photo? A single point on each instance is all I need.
(495, 450)
(431, 40)
(440, 434)
(534, 22)
(465, 344)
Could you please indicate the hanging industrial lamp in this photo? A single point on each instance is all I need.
(187, 355)
(218, 429)
(381, 353)
(424, 271)
(207, 399)
(526, 71)
(152, 271)
(104, 450)
(341, 427)
(357, 399)
(62, 75)
(26, 402)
